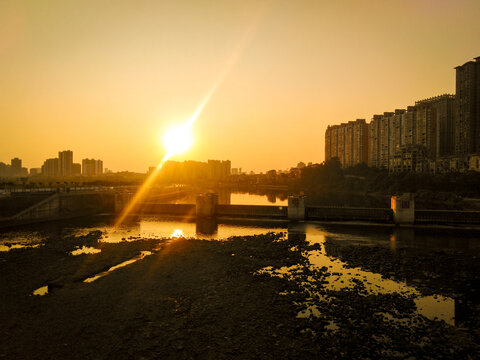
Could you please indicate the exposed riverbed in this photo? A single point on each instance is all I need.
(77, 290)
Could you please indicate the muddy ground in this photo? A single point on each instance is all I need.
(195, 299)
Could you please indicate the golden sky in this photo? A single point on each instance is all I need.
(106, 78)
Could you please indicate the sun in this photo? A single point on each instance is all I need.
(178, 139)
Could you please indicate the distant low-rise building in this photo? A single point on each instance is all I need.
(35, 171)
(76, 169)
(4, 170)
(92, 167)
(16, 167)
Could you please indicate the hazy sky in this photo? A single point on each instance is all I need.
(105, 78)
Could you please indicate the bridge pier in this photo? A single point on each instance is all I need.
(296, 208)
(121, 200)
(403, 207)
(206, 205)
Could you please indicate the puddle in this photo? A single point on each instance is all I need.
(41, 291)
(16, 246)
(85, 250)
(113, 268)
(20, 240)
(340, 277)
(437, 307)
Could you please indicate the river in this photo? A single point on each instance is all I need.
(423, 264)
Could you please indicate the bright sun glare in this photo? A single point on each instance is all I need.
(178, 139)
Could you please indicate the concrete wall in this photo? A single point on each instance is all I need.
(446, 217)
(14, 204)
(47, 208)
(187, 210)
(86, 204)
(254, 211)
(326, 213)
(60, 206)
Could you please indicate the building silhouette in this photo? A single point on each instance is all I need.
(193, 171)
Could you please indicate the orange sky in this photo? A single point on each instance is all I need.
(105, 78)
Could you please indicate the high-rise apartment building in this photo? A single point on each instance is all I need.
(425, 128)
(384, 140)
(341, 144)
(331, 143)
(360, 142)
(348, 142)
(467, 108)
(334, 142)
(438, 113)
(395, 135)
(407, 136)
(373, 141)
(328, 142)
(65, 163)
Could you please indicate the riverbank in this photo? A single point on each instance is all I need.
(204, 299)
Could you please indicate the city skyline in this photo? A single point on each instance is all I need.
(107, 81)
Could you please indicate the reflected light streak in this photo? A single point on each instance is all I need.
(244, 40)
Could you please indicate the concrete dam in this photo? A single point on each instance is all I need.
(58, 206)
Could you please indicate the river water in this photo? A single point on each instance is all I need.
(336, 241)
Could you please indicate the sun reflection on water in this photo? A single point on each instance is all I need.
(177, 234)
